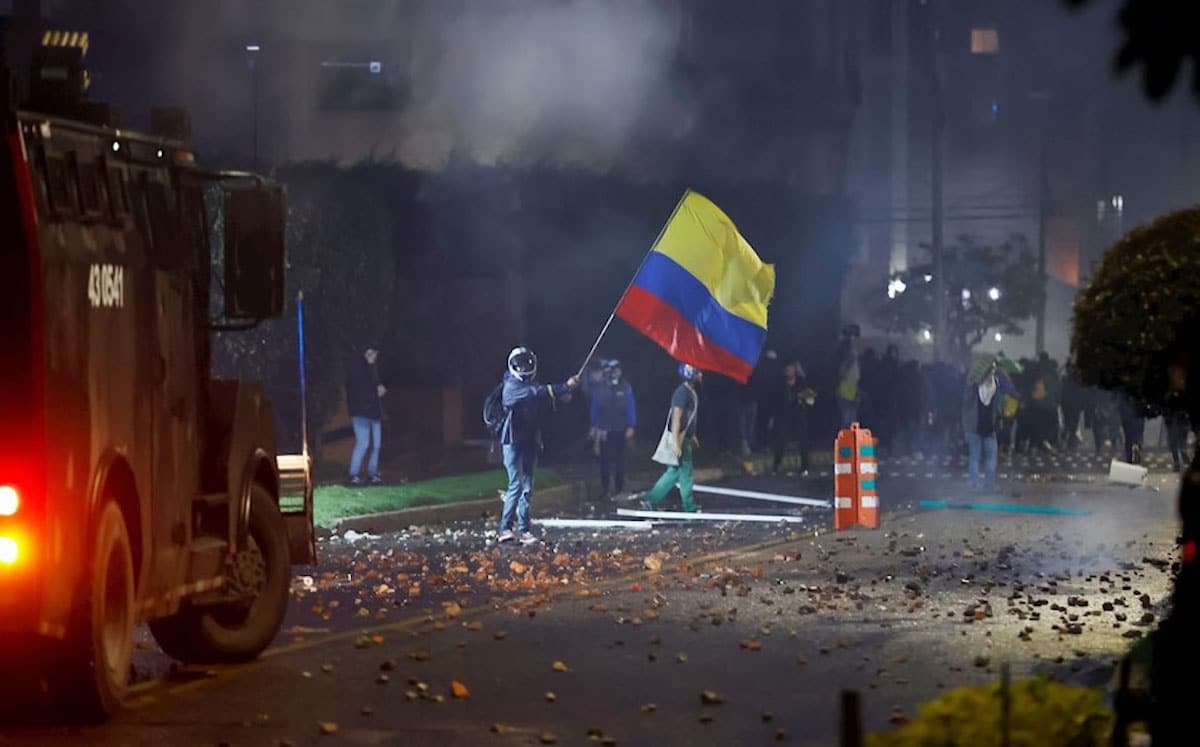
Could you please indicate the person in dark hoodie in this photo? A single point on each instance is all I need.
(363, 395)
(795, 398)
(613, 418)
(521, 438)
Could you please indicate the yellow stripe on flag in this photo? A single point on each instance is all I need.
(705, 242)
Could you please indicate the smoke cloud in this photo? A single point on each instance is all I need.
(568, 82)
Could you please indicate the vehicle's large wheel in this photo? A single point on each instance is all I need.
(238, 631)
(90, 679)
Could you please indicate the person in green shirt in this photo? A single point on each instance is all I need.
(682, 420)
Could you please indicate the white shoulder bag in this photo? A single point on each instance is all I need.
(665, 453)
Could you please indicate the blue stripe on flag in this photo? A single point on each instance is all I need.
(666, 279)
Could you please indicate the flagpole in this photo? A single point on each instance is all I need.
(613, 315)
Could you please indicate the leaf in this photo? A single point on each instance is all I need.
(558, 666)
(327, 727)
(452, 609)
(550, 697)
(517, 567)
(548, 738)
(752, 645)
(709, 697)
(459, 690)
(420, 656)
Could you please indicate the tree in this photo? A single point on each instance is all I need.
(1140, 313)
(988, 289)
(1159, 37)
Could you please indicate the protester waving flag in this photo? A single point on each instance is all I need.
(702, 292)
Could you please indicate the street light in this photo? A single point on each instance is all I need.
(896, 287)
(926, 335)
(966, 295)
(998, 337)
(252, 51)
(994, 294)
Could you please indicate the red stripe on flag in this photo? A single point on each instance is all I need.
(656, 319)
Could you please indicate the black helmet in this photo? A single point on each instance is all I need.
(522, 363)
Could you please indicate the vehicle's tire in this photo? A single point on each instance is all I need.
(90, 678)
(234, 632)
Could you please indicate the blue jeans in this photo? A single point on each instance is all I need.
(988, 443)
(367, 433)
(519, 461)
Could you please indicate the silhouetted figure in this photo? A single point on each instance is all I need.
(613, 420)
(363, 394)
(1133, 428)
(796, 399)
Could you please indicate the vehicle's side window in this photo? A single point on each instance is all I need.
(91, 189)
(135, 189)
(41, 186)
(169, 252)
(118, 197)
(61, 186)
(194, 224)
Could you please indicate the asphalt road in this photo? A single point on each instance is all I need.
(774, 621)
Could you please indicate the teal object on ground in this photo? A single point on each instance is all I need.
(1015, 508)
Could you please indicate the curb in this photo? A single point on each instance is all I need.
(559, 498)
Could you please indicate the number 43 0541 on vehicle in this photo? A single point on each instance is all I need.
(133, 485)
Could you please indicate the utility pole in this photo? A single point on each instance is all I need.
(252, 51)
(1043, 98)
(1043, 210)
(937, 126)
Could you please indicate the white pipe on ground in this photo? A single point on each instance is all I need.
(707, 516)
(594, 524)
(774, 497)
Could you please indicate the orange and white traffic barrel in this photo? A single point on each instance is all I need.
(855, 471)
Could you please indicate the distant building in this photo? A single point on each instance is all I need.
(1019, 143)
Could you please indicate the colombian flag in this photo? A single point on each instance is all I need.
(702, 292)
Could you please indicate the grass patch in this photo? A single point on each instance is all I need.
(336, 501)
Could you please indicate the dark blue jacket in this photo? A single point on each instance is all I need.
(522, 403)
(613, 408)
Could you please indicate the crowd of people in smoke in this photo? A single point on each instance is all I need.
(1025, 406)
(917, 409)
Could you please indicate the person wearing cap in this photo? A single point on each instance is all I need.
(848, 375)
(521, 438)
(685, 403)
(613, 420)
(980, 416)
(364, 393)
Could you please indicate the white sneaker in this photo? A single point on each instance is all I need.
(527, 538)
(506, 536)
